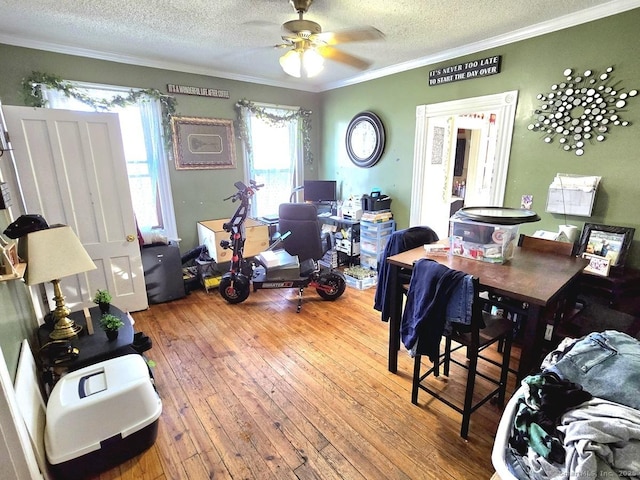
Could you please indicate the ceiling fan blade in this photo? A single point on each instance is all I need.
(342, 57)
(351, 35)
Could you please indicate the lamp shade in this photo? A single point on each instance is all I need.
(298, 62)
(55, 253)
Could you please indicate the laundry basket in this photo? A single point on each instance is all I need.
(501, 443)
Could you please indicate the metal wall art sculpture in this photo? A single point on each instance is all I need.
(581, 109)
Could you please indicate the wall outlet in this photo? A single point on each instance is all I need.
(548, 333)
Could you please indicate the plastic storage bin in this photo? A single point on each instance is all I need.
(368, 261)
(100, 416)
(360, 283)
(373, 239)
(487, 242)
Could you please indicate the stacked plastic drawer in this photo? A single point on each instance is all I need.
(373, 239)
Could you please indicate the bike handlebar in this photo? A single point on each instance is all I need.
(244, 192)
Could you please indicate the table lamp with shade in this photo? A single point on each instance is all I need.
(52, 254)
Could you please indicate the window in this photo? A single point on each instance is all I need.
(274, 157)
(141, 126)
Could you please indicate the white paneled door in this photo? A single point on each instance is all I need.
(70, 168)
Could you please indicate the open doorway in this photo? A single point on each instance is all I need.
(476, 134)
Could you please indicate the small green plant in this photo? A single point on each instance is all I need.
(110, 322)
(102, 296)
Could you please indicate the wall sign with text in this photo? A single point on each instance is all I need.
(466, 70)
(198, 91)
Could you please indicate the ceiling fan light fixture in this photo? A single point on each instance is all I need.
(298, 63)
(312, 62)
(291, 63)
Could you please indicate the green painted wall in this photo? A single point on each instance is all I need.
(531, 67)
(197, 194)
(17, 319)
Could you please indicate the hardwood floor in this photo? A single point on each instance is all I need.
(257, 391)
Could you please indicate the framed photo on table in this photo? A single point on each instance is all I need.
(598, 265)
(606, 241)
(203, 143)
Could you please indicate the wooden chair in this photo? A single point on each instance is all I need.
(484, 330)
(544, 245)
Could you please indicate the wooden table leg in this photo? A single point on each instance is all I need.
(532, 341)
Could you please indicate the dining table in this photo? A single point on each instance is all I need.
(536, 279)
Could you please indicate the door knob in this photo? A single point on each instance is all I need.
(131, 238)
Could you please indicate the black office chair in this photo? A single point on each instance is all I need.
(305, 240)
(483, 331)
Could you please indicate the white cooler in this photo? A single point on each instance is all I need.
(100, 416)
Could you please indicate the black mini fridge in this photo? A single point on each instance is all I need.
(162, 265)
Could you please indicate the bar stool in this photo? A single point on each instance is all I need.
(483, 331)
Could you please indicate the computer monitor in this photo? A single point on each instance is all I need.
(320, 191)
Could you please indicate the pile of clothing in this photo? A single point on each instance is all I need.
(580, 417)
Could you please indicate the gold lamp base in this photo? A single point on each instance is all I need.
(64, 327)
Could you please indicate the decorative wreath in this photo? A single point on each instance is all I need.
(581, 108)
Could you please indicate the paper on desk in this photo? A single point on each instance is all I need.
(576, 182)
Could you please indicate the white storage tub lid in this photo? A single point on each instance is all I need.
(497, 215)
(90, 405)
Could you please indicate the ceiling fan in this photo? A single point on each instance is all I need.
(310, 45)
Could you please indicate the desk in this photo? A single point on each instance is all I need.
(533, 277)
(347, 248)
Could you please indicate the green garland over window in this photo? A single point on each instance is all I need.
(32, 96)
(265, 114)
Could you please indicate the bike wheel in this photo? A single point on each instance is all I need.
(234, 288)
(334, 284)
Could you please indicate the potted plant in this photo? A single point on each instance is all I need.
(111, 324)
(102, 298)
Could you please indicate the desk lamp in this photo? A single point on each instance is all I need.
(52, 254)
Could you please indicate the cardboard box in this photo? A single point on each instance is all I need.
(487, 242)
(210, 233)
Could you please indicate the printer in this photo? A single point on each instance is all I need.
(352, 209)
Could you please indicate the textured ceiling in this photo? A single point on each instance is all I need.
(235, 38)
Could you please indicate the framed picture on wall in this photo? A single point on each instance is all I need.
(203, 143)
(606, 241)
